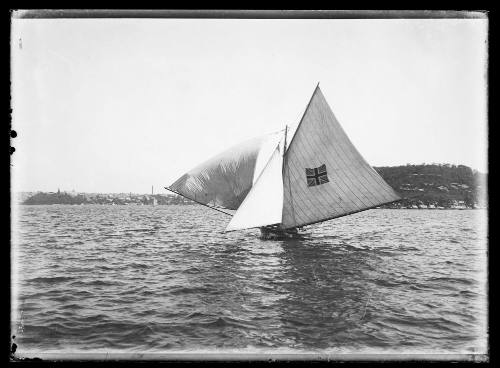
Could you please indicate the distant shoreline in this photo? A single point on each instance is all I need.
(195, 204)
(426, 186)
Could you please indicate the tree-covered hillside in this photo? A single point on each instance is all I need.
(436, 185)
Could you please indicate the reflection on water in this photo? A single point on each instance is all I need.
(164, 278)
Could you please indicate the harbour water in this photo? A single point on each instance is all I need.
(166, 278)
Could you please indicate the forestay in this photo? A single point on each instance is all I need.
(324, 176)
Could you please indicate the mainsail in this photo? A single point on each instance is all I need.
(324, 176)
(225, 180)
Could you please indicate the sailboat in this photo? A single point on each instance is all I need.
(265, 183)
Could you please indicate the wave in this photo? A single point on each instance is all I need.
(189, 290)
(454, 280)
(139, 265)
(50, 280)
(133, 289)
(105, 282)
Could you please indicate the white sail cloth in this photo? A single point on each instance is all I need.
(324, 176)
(263, 205)
(225, 180)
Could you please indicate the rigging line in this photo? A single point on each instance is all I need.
(203, 204)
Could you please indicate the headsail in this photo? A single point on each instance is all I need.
(263, 205)
(225, 180)
(324, 176)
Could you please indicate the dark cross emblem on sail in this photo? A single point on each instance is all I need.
(316, 176)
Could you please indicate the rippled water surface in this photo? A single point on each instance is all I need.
(166, 278)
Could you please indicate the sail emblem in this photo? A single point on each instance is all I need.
(316, 176)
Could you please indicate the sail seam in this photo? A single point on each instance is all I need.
(307, 148)
(304, 151)
(299, 194)
(347, 149)
(350, 152)
(341, 177)
(355, 188)
(345, 153)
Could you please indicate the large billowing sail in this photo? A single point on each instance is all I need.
(263, 205)
(324, 176)
(225, 180)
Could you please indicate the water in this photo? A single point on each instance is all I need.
(165, 278)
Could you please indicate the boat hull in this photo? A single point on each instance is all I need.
(276, 233)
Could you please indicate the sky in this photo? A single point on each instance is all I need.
(120, 105)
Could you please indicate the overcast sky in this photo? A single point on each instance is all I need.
(118, 105)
